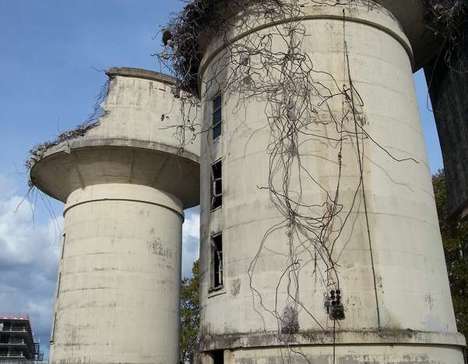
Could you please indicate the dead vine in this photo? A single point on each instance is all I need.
(37, 152)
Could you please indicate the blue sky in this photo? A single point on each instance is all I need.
(52, 53)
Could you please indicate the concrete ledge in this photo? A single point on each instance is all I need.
(118, 142)
(83, 162)
(325, 338)
(140, 73)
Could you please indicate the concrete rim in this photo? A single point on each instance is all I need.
(324, 338)
(140, 73)
(65, 150)
(211, 55)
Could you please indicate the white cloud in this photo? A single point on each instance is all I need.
(29, 245)
(191, 227)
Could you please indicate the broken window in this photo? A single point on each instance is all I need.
(216, 185)
(217, 116)
(217, 261)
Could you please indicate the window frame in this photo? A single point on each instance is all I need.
(216, 267)
(216, 197)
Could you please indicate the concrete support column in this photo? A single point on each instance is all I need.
(119, 275)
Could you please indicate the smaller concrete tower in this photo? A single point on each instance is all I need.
(125, 184)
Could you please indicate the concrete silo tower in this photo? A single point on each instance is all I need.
(319, 232)
(125, 184)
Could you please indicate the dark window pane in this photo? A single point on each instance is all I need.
(217, 170)
(217, 117)
(218, 357)
(217, 102)
(216, 202)
(218, 187)
(217, 131)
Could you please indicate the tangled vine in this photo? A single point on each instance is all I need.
(447, 19)
(37, 152)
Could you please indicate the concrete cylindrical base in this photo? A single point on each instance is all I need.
(118, 286)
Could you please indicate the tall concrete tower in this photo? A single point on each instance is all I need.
(125, 184)
(320, 238)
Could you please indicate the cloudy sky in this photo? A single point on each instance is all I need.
(52, 53)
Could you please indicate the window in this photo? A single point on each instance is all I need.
(217, 116)
(217, 262)
(52, 335)
(216, 185)
(58, 284)
(63, 244)
(218, 356)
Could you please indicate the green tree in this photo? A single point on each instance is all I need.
(455, 239)
(190, 315)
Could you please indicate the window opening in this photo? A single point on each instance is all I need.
(217, 261)
(217, 116)
(218, 356)
(216, 185)
(64, 239)
(58, 284)
(52, 336)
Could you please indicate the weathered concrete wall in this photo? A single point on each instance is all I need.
(448, 90)
(411, 277)
(125, 184)
(145, 109)
(118, 290)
